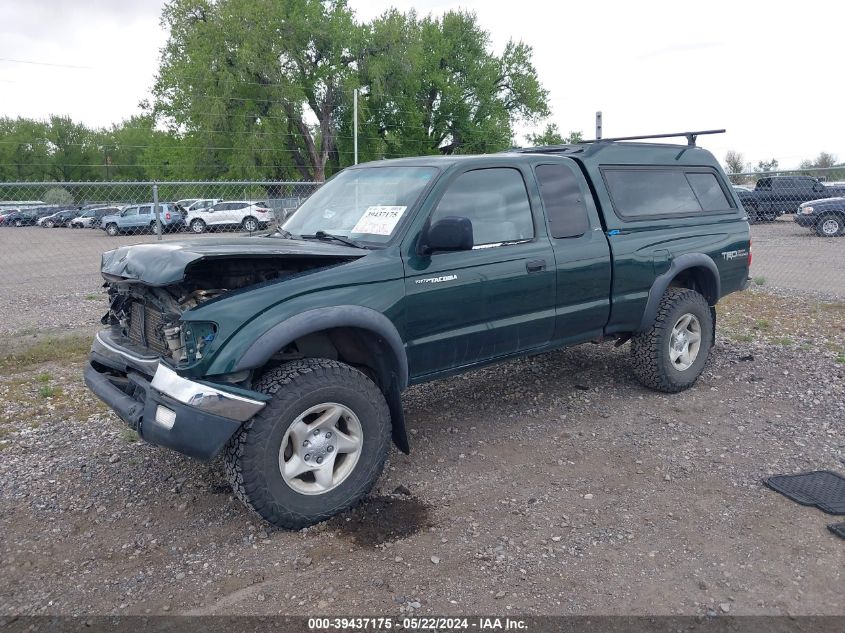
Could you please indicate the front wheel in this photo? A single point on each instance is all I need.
(830, 226)
(669, 356)
(197, 226)
(316, 449)
(112, 230)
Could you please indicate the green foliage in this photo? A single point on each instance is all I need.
(57, 195)
(262, 89)
(551, 136)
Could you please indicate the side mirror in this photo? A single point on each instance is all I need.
(449, 234)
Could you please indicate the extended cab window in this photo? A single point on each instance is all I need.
(654, 192)
(565, 206)
(494, 200)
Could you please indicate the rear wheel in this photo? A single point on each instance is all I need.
(18, 223)
(315, 449)
(49, 224)
(197, 226)
(830, 226)
(112, 230)
(670, 355)
(250, 224)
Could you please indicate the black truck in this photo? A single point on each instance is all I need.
(775, 195)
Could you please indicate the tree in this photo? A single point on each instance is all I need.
(551, 136)
(246, 78)
(432, 86)
(735, 165)
(766, 166)
(264, 87)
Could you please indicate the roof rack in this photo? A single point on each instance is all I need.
(690, 136)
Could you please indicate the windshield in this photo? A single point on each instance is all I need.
(365, 204)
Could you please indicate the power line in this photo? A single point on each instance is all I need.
(34, 63)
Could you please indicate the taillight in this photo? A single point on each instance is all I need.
(167, 215)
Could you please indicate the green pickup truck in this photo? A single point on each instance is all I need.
(288, 353)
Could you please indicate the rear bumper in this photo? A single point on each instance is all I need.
(190, 417)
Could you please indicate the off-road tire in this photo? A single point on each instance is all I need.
(830, 218)
(252, 455)
(650, 348)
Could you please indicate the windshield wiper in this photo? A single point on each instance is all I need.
(322, 235)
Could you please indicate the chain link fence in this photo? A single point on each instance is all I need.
(52, 234)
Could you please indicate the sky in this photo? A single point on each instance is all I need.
(771, 76)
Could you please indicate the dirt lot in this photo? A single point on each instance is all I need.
(549, 485)
(50, 276)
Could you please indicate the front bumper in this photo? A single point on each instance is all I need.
(805, 220)
(191, 417)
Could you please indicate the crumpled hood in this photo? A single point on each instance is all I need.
(164, 263)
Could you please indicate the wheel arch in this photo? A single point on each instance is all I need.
(690, 270)
(356, 335)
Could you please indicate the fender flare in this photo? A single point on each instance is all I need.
(312, 321)
(678, 265)
(318, 319)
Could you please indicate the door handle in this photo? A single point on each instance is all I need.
(535, 265)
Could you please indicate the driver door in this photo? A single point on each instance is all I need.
(468, 307)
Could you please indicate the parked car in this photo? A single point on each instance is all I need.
(136, 218)
(184, 203)
(27, 217)
(287, 354)
(5, 213)
(62, 218)
(826, 216)
(90, 218)
(247, 215)
(775, 195)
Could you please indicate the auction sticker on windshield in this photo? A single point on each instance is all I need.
(379, 220)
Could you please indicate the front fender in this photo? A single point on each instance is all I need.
(319, 319)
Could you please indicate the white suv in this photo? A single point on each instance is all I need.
(249, 216)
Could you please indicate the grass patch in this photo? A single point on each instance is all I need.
(744, 338)
(763, 324)
(760, 281)
(782, 340)
(128, 435)
(841, 358)
(43, 377)
(92, 297)
(66, 349)
(48, 391)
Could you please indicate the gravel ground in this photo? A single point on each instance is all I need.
(50, 276)
(549, 485)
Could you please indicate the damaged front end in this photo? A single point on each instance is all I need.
(135, 362)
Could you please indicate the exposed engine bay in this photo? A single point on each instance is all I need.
(149, 316)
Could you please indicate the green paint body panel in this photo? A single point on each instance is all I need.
(484, 305)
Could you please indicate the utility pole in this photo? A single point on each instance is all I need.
(355, 121)
(157, 210)
(598, 124)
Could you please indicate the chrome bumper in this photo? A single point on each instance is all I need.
(204, 397)
(120, 354)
